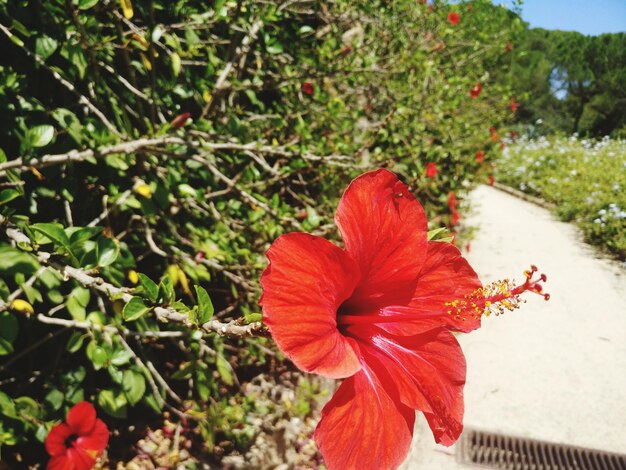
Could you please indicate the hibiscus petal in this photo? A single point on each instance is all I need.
(81, 418)
(429, 373)
(60, 462)
(96, 440)
(81, 459)
(445, 276)
(307, 280)
(384, 229)
(55, 440)
(363, 426)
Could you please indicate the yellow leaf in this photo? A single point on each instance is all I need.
(206, 96)
(172, 271)
(184, 282)
(143, 190)
(133, 277)
(127, 9)
(275, 142)
(37, 173)
(141, 40)
(22, 306)
(146, 62)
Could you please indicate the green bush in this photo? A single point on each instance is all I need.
(133, 233)
(585, 179)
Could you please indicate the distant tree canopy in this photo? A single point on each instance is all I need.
(573, 82)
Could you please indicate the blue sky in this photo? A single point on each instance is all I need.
(585, 16)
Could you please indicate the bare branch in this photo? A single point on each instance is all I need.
(235, 329)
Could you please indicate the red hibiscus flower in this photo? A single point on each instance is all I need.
(513, 105)
(378, 313)
(475, 90)
(431, 170)
(307, 88)
(454, 18)
(480, 156)
(456, 217)
(75, 444)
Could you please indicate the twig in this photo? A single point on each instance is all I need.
(163, 313)
(20, 164)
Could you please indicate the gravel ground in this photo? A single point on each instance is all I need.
(553, 371)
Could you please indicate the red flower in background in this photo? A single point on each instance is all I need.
(492, 180)
(513, 135)
(454, 18)
(494, 134)
(379, 313)
(307, 88)
(431, 170)
(480, 156)
(75, 444)
(513, 105)
(475, 90)
(456, 217)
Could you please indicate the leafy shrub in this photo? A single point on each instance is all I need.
(150, 154)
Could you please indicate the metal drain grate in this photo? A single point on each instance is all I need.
(515, 453)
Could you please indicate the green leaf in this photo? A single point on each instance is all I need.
(45, 46)
(107, 251)
(135, 309)
(5, 347)
(28, 408)
(134, 385)
(176, 63)
(121, 357)
(54, 232)
(12, 261)
(8, 332)
(83, 234)
(75, 342)
(150, 288)
(54, 399)
(7, 407)
(114, 404)
(225, 370)
(205, 306)
(97, 355)
(39, 136)
(87, 4)
(166, 289)
(7, 195)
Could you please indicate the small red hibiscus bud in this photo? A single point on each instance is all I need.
(480, 156)
(475, 91)
(494, 134)
(514, 105)
(492, 180)
(180, 120)
(454, 18)
(307, 88)
(345, 51)
(431, 170)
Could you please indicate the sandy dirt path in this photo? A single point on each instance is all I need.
(555, 370)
